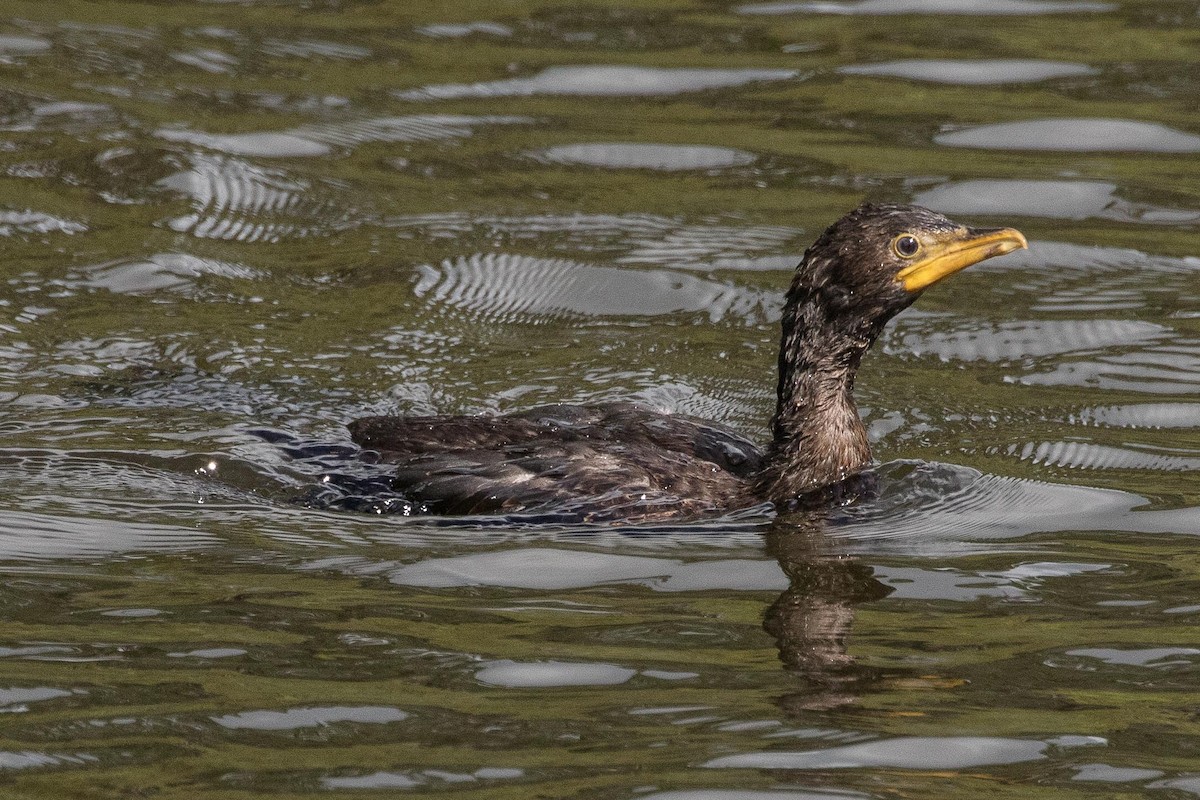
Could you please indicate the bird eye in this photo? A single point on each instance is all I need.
(906, 245)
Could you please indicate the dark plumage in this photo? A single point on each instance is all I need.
(623, 461)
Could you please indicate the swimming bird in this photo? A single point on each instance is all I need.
(621, 461)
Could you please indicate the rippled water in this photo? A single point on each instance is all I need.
(231, 228)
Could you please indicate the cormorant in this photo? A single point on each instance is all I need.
(622, 461)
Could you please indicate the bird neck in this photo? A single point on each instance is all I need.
(818, 438)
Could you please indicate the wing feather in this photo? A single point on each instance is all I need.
(609, 461)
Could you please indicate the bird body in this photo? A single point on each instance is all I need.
(623, 461)
(614, 460)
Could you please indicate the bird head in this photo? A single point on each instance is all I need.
(875, 261)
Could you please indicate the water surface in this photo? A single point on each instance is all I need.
(231, 228)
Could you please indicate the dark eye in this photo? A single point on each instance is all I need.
(906, 246)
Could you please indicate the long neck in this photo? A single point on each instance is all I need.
(818, 437)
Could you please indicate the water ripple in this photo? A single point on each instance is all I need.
(319, 140)
(16, 45)
(616, 80)
(447, 30)
(518, 288)
(266, 144)
(29, 221)
(977, 340)
(757, 794)
(1085, 455)
(313, 48)
(207, 59)
(1075, 135)
(972, 72)
(1166, 369)
(174, 272)
(26, 536)
(237, 201)
(917, 752)
(1143, 415)
(295, 718)
(661, 157)
(631, 238)
(959, 506)
(1053, 199)
(1051, 258)
(994, 7)
(413, 128)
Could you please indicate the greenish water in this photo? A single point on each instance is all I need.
(230, 228)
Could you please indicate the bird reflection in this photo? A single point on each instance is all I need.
(811, 620)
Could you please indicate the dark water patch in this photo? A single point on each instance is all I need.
(972, 72)
(615, 80)
(1075, 135)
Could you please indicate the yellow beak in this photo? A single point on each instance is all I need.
(958, 250)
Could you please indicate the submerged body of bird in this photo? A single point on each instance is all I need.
(622, 461)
